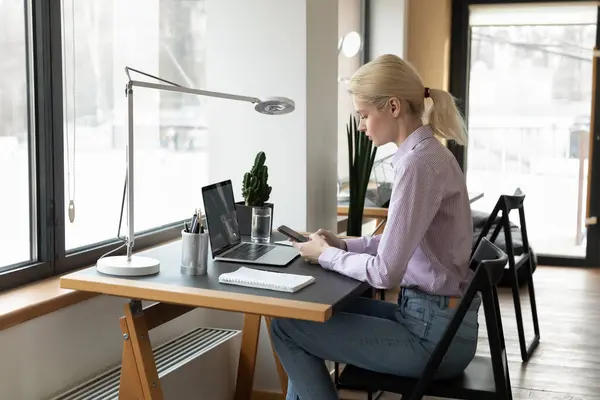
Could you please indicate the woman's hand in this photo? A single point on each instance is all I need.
(332, 239)
(312, 249)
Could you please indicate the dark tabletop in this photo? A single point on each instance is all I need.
(330, 288)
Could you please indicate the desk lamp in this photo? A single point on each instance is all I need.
(130, 265)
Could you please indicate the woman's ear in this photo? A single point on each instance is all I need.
(395, 105)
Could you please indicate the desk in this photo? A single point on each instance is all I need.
(177, 294)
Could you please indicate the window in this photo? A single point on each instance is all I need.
(163, 38)
(72, 54)
(533, 133)
(17, 221)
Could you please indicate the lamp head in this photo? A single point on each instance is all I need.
(275, 106)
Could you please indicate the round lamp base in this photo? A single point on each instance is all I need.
(119, 266)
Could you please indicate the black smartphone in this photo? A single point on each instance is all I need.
(292, 234)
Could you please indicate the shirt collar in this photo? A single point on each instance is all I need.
(420, 134)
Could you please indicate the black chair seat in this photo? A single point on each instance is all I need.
(478, 378)
(518, 247)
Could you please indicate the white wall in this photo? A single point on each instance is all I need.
(387, 35)
(387, 27)
(254, 47)
(281, 48)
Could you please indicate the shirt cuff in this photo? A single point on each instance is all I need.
(328, 257)
(355, 245)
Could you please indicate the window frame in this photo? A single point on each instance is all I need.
(46, 160)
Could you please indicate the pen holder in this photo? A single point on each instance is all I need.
(194, 253)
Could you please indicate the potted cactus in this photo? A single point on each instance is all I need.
(256, 191)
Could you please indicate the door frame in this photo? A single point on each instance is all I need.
(460, 39)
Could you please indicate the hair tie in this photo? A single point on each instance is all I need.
(427, 92)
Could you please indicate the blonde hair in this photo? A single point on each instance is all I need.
(389, 76)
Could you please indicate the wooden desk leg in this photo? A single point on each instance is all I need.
(143, 358)
(247, 362)
(283, 378)
(130, 386)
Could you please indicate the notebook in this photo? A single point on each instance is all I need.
(255, 278)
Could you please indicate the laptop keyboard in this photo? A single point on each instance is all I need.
(250, 251)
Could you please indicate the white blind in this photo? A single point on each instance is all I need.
(534, 14)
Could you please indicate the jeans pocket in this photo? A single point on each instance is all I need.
(415, 315)
(468, 329)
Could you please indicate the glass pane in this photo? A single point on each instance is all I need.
(530, 90)
(15, 242)
(164, 38)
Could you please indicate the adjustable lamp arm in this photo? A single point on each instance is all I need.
(199, 92)
(136, 266)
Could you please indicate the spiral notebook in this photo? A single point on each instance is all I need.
(255, 278)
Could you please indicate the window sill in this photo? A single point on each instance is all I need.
(45, 296)
(36, 299)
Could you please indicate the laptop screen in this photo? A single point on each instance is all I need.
(221, 218)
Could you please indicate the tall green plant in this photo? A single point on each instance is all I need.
(361, 155)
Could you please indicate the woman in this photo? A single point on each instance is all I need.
(424, 248)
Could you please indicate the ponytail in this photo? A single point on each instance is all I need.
(390, 76)
(444, 117)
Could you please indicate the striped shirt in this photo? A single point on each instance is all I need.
(427, 240)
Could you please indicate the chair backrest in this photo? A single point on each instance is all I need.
(488, 262)
(504, 205)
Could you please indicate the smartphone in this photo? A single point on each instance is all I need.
(292, 234)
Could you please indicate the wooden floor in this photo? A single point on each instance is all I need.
(566, 364)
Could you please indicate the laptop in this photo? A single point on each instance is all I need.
(223, 230)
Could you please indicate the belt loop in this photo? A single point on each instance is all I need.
(402, 296)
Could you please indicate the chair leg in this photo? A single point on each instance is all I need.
(377, 395)
(526, 349)
(336, 374)
(536, 326)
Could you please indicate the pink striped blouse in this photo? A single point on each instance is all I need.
(427, 239)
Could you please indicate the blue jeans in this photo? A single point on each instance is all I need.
(375, 335)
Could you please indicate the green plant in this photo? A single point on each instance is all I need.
(361, 155)
(255, 189)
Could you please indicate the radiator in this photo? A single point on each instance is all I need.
(168, 356)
